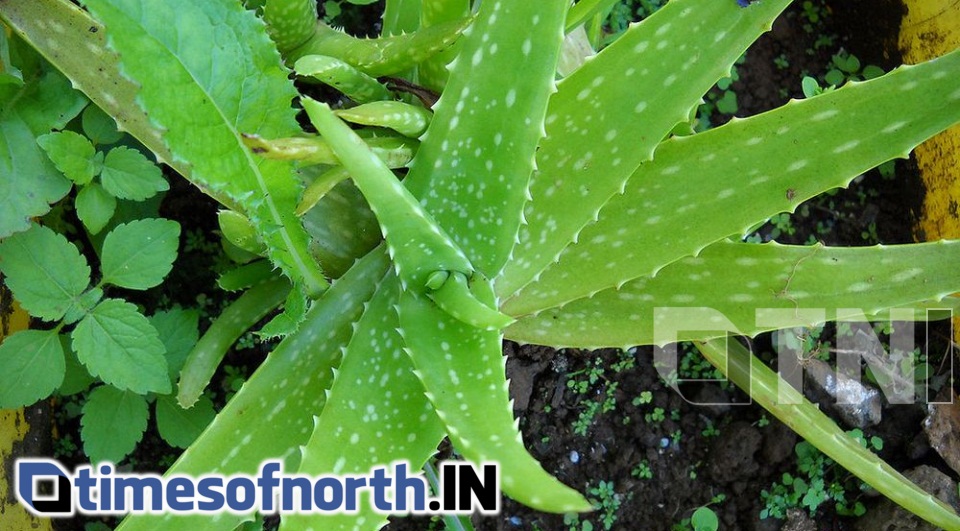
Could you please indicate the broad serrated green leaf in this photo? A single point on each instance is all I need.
(702, 188)
(178, 426)
(611, 113)
(72, 154)
(29, 181)
(463, 371)
(375, 413)
(118, 344)
(201, 51)
(113, 422)
(45, 272)
(137, 255)
(178, 330)
(205, 356)
(95, 207)
(99, 127)
(272, 414)
(75, 377)
(31, 367)
(750, 286)
(127, 174)
(475, 196)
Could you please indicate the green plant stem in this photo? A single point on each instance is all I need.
(803, 417)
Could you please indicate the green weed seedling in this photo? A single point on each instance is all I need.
(531, 208)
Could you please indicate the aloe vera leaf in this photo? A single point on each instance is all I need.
(806, 419)
(395, 151)
(383, 56)
(609, 116)
(341, 227)
(705, 187)
(320, 186)
(239, 231)
(199, 51)
(400, 17)
(290, 23)
(474, 164)
(432, 73)
(583, 10)
(237, 318)
(418, 247)
(342, 76)
(375, 413)
(748, 284)
(246, 276)
(272, 414)
(463, 371)
(408, 120)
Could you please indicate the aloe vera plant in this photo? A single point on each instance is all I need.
(562, 213)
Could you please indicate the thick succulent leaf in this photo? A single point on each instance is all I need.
(237, 318)
(609, 115)
(272, 414)
(290, 23)
(417, 245)
(342, 227)
(376, 413)
(463, 371)
(433, 72)
(342, 76)
(750, 285)
(386, 55)
(702, 188)
(200, 51)
(475, 196)
(408, 120)
(401, 16)
(806, 419)
(395, 151)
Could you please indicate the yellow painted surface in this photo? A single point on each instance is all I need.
(930, 29)
(13, 430)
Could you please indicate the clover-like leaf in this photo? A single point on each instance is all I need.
(179, 426)
(31, 367)
(46, 273)
(118, 344)
(127, 174)
(137, 255)
(73, 154)
(99, 127)
(95, 207)
(112, 424)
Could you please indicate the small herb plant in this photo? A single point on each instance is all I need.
(555, 212)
